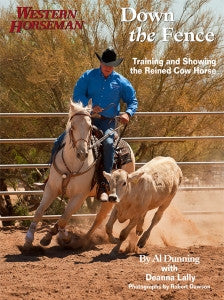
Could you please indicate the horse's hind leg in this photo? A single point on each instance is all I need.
(48, 197)
(102, 214)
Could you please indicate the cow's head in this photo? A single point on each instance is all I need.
(119, 182)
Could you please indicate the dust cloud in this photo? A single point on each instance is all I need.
(185, 230)
(174, 229)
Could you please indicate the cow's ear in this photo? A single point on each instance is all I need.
(107, 175)
(134, 177)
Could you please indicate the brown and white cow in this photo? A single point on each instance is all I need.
(152, 186)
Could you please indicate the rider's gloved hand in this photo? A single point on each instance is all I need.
(97, 109)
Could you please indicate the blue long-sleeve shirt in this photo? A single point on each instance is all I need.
(104, 91)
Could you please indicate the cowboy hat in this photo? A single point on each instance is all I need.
(109, 58)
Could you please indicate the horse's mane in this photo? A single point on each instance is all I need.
(75, 106)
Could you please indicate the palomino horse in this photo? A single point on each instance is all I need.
(75, 165)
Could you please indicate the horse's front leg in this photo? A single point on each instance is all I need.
(48, 197)
(73, 205)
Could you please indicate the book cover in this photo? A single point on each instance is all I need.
(173, 58)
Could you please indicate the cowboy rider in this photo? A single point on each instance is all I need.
(106, 87)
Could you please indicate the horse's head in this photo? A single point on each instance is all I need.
(79, 127)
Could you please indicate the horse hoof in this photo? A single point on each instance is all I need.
(28, 240)
(27, 245)
(46, 240)
(26, 248)
(113, 254)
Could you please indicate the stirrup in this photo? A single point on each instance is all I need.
(39, 184)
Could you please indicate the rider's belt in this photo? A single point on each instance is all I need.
(103, 118)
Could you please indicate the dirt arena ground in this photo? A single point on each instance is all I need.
(186, 251)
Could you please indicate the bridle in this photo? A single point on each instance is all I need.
(72, 139)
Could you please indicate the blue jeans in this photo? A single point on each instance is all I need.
(108, 143)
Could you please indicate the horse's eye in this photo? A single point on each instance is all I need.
(124, 183)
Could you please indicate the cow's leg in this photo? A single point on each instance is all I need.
(49, 195)
(123, 235)
(110, 224)
(139, 229)
(102, 214)
(73, 205)
(155, 220)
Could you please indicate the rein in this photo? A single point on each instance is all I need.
(105, 136)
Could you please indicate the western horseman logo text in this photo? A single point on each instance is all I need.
(45, 19)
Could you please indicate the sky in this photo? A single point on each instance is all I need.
(216, 5)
